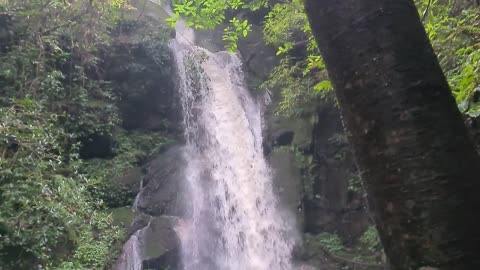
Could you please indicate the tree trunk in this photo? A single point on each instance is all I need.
(412, 148)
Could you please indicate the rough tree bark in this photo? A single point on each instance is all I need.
(416, 159)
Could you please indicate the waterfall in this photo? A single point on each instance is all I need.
(132, 252)
(234, 223)
(130, 259)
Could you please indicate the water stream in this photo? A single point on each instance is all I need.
(234, 222)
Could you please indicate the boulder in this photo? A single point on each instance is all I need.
(139, 66)
(287, 183)
(130, 180)
(154, 247)
(162, 192)
(161, 244)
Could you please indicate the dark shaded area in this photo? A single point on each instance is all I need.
(170, 260)
(141, 69)
(162, 192)
(6, 32)
(96, 146)
(138, 68)
(283, 138)
(337, 205)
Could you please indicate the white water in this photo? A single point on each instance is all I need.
(131, 255)
(234, 223)
(132, 252)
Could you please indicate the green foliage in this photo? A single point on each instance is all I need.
(208, 14)
(30, 173)
(367, 252)
(52, 56)
(43, 205)
(301, 75)
(296, 89)
(143, 35)
(324, 241)
(131, 149)
(370, 240)
(454, 30)
(355, 184)
(286, 23)
(94, 250)
(308, 167)
(53, 94)
(236, 29)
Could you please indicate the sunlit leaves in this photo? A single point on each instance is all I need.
(301, 79)
(203, 14)
(235, 4)
(325, 85)
(465, 81)
(287, 46)
(173, 20)
(455, 35)
(208, 14)
(235, 30)
(314, 62)
(297, 91)
(286, 22)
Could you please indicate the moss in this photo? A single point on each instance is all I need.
(122, 216)
(132, 148)
(323, 241)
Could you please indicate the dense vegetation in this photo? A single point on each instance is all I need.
(453, 27)
(55, 99)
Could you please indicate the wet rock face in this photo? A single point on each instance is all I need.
(337, 206)
(153, 240)
(154, 246)
(161, 191)
(324, 163)
(162, 250)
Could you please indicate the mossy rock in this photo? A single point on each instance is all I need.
(122, 216)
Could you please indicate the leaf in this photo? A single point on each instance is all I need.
(171, 21)
(463, 106)
(323, 86)
(475, 111)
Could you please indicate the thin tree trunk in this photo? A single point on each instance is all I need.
(416, 159)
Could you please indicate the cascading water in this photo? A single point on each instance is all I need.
(234, 223)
